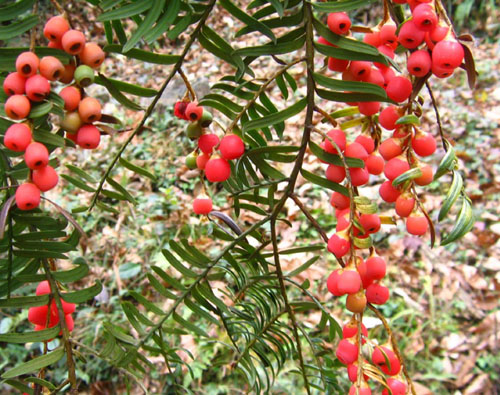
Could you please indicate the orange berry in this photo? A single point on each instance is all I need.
(51, 68)
(67, 75)
(55, 28)
(55, 45)
(89, 110)
(92, 55)
(71, 96)
(426, 177)
(73, 42)
(27, 64)
(17, 107)
(71, 122)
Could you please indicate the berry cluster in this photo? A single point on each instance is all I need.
(381, 356)
(44, 317)
(433, 50)
(215, 166)
(31, 83)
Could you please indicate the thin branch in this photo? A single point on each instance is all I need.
(151, 107)
(308, 215)
(289, 309)
(438, 117)
(33, 32)
(187, 83)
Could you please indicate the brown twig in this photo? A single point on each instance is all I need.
(438, 117)
(188, 84)
(327, 116)
(308, 215)
(33, 32)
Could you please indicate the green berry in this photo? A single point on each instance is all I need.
(191, 160)
(84, 75)
(194, 130)
(206, 119)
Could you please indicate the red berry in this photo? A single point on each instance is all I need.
(390, 148)
(51, 68)
(43, 288)
(439, 33)
(335, 173)
(339, 201)
(180, 109)
(375, 268)
(352, 372)
(373, 39)
(360, 69)
(388, 117)
(369, 108)
(45, 178)
(351, 330)
(217, 170)
(55, 28)
(388, 75)
(347, 352)
(377, 294)
(38, 315)
(362, 391)
(231, 147)
(349, 282)
(88, 137)
(424, 17)
(376, 78)
(441, 72)
(37, 88)
(359, 176)
(17, 137)
(27, 64)
(207, 142)
(387, 51)
(419, 63)
(374, 164)
(338, 245)
(332, 283)
(73, 42)
(356, 150)
(338, 136)
(339, 65)
(370, 222)
(417, 225)
(194, 112)
(426, 177)
(71, 96)
(395, 167)
(424, 144)
(389, 193)
(17, 107)
(201, 161)
(399, 89)
(367, 143)
(379, 359)
(324, 41)
(27, 196)
(202, 205)
(342, 223)
(397, 387)
(36, 156)
(410, 36)
(339, 22)
(447, 54)
(404, 205)
(14, 84)
(388, 34)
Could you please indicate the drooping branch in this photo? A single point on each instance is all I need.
(151, 107)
